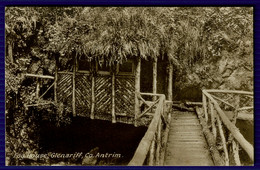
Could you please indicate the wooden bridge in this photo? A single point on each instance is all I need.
(202, 136)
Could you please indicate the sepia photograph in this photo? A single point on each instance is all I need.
(129, 86)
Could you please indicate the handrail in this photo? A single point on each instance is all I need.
(229, 91)
(147, 141)
(39, 76)
(228, 124)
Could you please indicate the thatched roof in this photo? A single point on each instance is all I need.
(183, 35)
(113, 34)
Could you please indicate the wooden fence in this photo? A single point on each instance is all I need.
(101, 96)
(228, 136)
(151, 149)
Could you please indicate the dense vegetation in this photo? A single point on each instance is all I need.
(210, 47)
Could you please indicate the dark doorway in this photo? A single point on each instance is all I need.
(146, 76)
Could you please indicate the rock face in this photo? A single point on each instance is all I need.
(227, 73)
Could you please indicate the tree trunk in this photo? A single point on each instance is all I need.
(137, 88)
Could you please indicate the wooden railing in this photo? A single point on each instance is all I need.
(39, 98)
(151, 149)
(216, 111)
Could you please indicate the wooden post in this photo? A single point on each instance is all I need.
(212, 113)
(170, 74)
(137, 88)
(151, 154)
(73, 87)
(55, 81)
(223, 139)
(235, 148)
(92, 97)
(165, 138)
(204, 103)
(113, 98)
(158, 143)
(154, 78)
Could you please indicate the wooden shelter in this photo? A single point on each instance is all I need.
(94, 89)
(126, 52)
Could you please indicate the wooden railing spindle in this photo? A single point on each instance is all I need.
(223, 139)
(204, 102)
(212, 112)
(235, 148)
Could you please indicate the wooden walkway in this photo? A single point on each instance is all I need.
(186, 144)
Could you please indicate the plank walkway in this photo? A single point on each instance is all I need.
(186, 144)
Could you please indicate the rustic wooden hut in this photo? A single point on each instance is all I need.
(112, 60)
(99, 91)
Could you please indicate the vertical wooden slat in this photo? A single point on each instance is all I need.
(204, 102)
(170, 74)
(137, 88)
(73, 87)
(154, 78)
(92, 97)
(212, 113)
(223, 139)
(235, 146)
(113, 98)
